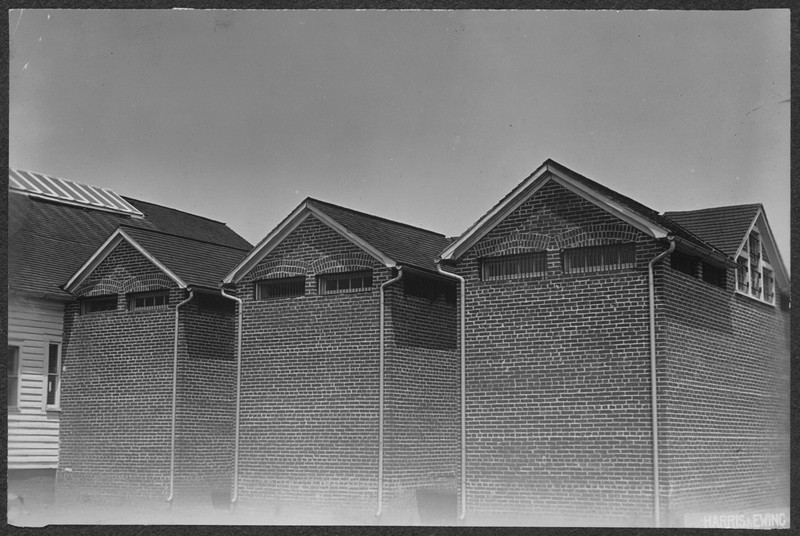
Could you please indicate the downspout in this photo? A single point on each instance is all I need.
(380, 391)
(175, 402)
(653, 380)
(460, 279)
(235, 495)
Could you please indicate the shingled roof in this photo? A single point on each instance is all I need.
(197, 263)
(391, 242)
(405, 244)
(50, 238)
(723, 227)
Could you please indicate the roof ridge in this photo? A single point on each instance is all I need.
(159, 231)
(743, 205)
(373, 216)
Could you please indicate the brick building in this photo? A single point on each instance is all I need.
(98, 413)
(562, 373)
(522, 370)
(349, 365)
(54, 225)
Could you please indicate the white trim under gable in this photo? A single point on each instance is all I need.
(518, 195)
(285, 228)
(768, 240)
(611, 206)
(527, 189)
(105, 250)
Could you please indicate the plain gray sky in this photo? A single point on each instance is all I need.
(428, 118)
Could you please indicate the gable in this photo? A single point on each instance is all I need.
(553, 218)
(311, 248)
(623, 208)
(299, 215)
(123, 269)
(109, 247)
(771, 253)
(722, 227)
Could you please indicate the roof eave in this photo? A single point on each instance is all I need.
(716, 256)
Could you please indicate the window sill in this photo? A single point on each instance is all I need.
(53, 409)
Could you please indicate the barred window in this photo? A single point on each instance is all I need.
(286, 287)
(714, 275)
(514, 266)
(215, 303)
(345, 282)
(148, 300)
(429, 288)
(599, 258)
(98, 304)
(684, 263)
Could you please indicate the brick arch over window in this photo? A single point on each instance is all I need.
(595, 235)
(279, 268)
(99, 287)
(342, 262)
(516, 242)
(144, 283)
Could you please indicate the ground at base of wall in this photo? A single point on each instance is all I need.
(182, 514)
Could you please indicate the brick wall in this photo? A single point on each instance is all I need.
(117, 389)
(309, 418)
(724, 398)
(422, 392)
(422, 423)
(206, 399)
(311, 382)
(422, 322)
(558, 409)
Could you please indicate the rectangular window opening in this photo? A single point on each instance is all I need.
(98, 304)
(216, 304)
(54, 375)
(742, 277)
(148, 300)
(514, 266)
(344, 282)
(714, 275)
(684, 263)
(429, 288)
(599, 258)
(769, 286)
(286, 287)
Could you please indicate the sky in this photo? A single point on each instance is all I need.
(424, 117)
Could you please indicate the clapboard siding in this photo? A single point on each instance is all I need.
(32, 429)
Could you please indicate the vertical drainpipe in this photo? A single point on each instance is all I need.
(653, 380)
(175, 402)
(235, 495)
(460, 279)
(380, 391)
